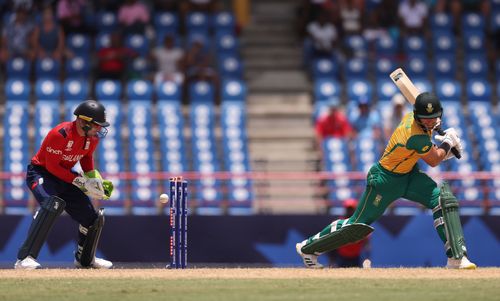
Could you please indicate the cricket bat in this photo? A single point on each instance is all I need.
(410, 92)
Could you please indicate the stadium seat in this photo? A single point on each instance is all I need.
(384, 66)
(417, 66)
(476, 67)
(48, 96)
(325, 89)
(386, 47)
(201, 91)
(385, 89)
(140, 90)
(169, 91)
(102, 40)
(226, 44)
(166, 22)
(356, 44)
(448, 90)
(357, 88)
(198, 22)
(478, 90)
(79, 44)
(224, 22)
(414, 45)
(356, 68)
(325, 68)
(47, 68)
(78, 67)
(441, 22)
(18, 68)
(139, 43)
(230, 67)
(444, 43)
(473, 21)
(107, 21)
(17, 89)
(474, 42)
(106, 89)
(75, 90)
(444, 66)
(234, 90)
(423, 84)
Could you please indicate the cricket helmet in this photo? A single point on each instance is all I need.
(427, 106)
(92, 111)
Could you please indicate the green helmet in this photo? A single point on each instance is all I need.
(427, 105)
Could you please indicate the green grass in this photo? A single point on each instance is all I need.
(76, 289)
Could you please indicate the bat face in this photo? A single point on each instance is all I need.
(405, 85)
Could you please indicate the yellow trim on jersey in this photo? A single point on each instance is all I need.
(398, 156)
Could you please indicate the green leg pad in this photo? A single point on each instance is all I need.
(336, 239)
(452, 225)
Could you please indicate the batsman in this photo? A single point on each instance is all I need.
(58, 188)
(397, 175)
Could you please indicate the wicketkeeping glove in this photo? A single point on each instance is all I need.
(91, 184)
(108, 188)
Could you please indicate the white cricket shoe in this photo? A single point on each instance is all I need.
(310, 260)
(28, 263)
(463, 264)
(98, 263)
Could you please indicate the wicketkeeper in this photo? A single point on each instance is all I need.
(396, 175)
(56, 187)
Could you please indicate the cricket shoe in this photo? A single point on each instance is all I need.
(97, 263)
(28, 263)
(463, 264)
(310, 260)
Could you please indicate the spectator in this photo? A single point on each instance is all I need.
(166, 5)
(386, 11)
(310, 10)
(367, 122)
(334, 124)
(17, 37)
(373, 30)
(398, 110)
(49, 37)
(71, 16)
(351, 17)
(169, 60)
(323, 36)
(413, 17)
(113, 59)
(354, 254)
(206, 6)
(133, 17)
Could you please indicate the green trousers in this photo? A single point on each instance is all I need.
(384, 187)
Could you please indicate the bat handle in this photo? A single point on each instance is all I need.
(453, 150)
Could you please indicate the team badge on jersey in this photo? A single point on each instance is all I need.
(69, 145)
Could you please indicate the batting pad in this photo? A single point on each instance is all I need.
(336, 239)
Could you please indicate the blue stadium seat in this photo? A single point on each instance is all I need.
(356, 44)
(366, 153)
(357, 88)
(473, 21)
(386, 46)
(476, 67)
(417, 66)
(198, 22)
(356, 68)
(166, 22)
(385, 89)
(18, 68)
(139, 67)
(234, 90)
(169, 91)
(448, 90)
(474, 42)
(106, 89)
(107, 21)
(17, 89)
(384, 66)
(75, 90)
(47, 68)
(414, 45)
(46, 89)
(78, 67)
(230, 67)
(445, 66)
(444, 43)
(226, 44)
(324, 89)
(140, 90)
(325, 68)
(224, 22)
(495, 20)
(202, 37)
(423, 84)
(79, 44)
(201, 91)
(102, 40)
(478, 90)
(139, 43)
(441, 22)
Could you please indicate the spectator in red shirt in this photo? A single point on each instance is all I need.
(334, 124)
(354, 254)
(113, 59)
(57, 187)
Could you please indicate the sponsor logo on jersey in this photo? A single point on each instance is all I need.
(53, 151)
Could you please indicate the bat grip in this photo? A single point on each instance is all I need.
(453, 150)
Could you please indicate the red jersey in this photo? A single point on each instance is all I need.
(352, 250)
(335, 125)
(114, 59)
(63, 148)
